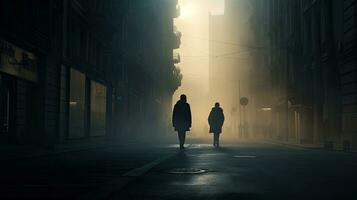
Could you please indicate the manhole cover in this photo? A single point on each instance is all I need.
(187, 171)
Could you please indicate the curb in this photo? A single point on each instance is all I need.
(306, 147)
(79, 148)
(49, 152)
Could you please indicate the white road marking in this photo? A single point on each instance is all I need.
(105, 191)
(142, 170)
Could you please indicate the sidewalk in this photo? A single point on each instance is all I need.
(9, 152)
(294, 144)
(336, 147)
(78, 168)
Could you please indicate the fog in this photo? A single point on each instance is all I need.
(216, 55)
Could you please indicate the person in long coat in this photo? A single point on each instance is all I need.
(216, 120)
(182, 119)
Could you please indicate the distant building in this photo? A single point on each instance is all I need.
(229, 61)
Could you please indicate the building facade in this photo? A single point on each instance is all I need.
(85, 82)
(78, 69)
(311, 55)
(260, 76)
(145, 66)
(30, 53)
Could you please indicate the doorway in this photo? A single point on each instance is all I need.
(6, 109)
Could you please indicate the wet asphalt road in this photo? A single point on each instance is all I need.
(249, 171)
(242, 171)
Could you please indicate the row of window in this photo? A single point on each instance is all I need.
(83, 45)
(21, 16)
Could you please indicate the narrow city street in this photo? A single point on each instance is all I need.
(249, 171)
(242, 171)
(178, 99)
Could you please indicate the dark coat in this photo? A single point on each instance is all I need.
(181, 116)
(216, 120)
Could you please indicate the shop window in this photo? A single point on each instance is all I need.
(98, 109)
(77, 105)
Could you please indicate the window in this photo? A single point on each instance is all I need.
(98, 109)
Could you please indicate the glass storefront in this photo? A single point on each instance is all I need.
(77, 105)
(4, 110)
(98, 109)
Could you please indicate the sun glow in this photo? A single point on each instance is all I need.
(187, 11)
(193, 23)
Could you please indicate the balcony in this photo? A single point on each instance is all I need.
(177, 12)
(176, 58)
(176, 78)
(177, 38)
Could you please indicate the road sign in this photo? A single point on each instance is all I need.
(244, 101)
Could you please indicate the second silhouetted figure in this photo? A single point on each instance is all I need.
(216, 120)
(181, 119)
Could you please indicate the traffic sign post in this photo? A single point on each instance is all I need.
(244, 101)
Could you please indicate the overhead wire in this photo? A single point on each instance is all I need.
(224, 42)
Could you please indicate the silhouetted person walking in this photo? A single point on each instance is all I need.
(181, 119)
(216, 120)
